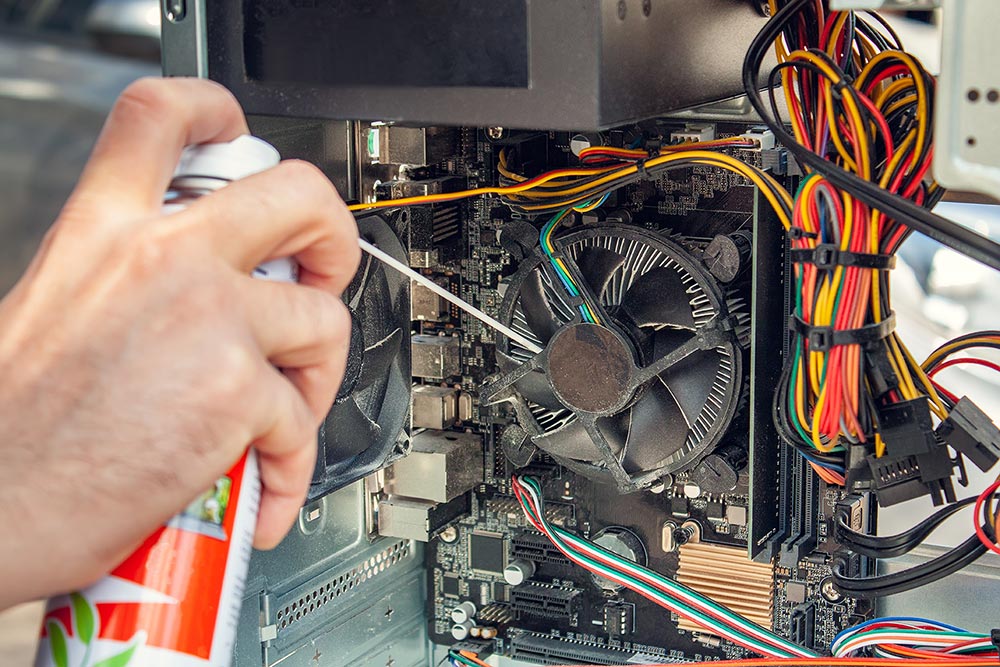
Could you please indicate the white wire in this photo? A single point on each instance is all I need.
(391, 261)
(788, 649)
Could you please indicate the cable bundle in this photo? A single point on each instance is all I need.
(665, 592)
(908, 637)
(860, 112)
(583, 188)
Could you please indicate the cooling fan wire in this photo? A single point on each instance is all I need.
(586, 311)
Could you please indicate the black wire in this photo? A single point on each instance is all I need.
(892, 546)
(937, 568)
(906, 212)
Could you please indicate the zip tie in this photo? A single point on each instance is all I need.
(394, 263)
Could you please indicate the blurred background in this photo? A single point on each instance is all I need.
(63, 63)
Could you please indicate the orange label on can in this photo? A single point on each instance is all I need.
(175, 600)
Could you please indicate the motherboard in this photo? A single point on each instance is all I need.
(685, 476)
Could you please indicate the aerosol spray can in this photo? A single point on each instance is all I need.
(175, 602)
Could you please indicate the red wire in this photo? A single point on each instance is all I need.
(980, 533)
(964, 360)
(525, 500)
(846, 662)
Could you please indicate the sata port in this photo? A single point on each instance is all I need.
(537, 599)
(802, 624)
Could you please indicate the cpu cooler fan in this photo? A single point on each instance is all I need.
(648, 391)
(362, 429)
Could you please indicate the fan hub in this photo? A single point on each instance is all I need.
(590, 368)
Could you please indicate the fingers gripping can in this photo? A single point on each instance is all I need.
(175, 602)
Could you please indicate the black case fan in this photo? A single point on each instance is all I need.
(362, 432)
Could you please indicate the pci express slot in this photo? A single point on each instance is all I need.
(803, 524)
(537, 599)
(546, 650)
(537, 548)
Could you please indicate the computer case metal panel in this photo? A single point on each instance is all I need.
(577, 64)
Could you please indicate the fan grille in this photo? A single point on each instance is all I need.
(640, 254)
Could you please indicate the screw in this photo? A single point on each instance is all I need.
(622, 9)
(495, 133)
(449, 535)
(647, 7)
(829, 591)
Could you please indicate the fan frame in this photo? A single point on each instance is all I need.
(394, 444)
(718, 333)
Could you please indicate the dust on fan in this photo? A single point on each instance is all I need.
(361, 433)
(649, 394)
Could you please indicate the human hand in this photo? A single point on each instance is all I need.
(139, 357)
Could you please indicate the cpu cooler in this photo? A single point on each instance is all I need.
(652, 387)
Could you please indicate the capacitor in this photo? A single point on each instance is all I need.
(719, 472)
(488, 633)
(728, 256)
(625, 543)
(461, 631)
(518, 572)
(463, 612)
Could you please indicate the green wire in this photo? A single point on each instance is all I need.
(459, 658)
(737, 621)
(546, 239)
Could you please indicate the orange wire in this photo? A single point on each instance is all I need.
(838, 662)
(469, 655)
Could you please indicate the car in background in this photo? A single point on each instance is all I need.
(62, 65)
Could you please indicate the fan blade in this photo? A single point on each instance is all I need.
(346, 432)
(659, 297)
(597, 265)
(535, 387)
(657, 429)
(378, 358)
(690, 382)
(355, 358)
(665, 341)
(571, 442)
(355, 291)
(538, 313)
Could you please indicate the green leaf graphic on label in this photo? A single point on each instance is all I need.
(57, 642)
(84, 618)
(120, 660)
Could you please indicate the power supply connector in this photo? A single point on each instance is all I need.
(762, 138)
(906, 428)
(969, 431)
(900, 478)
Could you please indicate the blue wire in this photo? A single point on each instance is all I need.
(824, 464)
(890, 619)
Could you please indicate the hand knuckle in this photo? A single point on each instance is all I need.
(234, 372)
(146, 97)
(339, 324)
(142, 253)
(304, 173)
